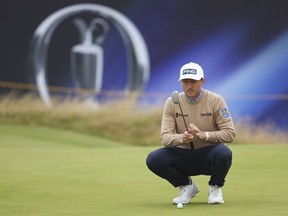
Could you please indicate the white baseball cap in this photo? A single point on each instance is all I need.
(191, 71)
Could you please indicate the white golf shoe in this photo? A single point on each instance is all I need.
(186, 193)
(215, 195)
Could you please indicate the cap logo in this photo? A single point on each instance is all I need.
(189, 71)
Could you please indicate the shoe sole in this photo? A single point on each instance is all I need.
(217, 202)
(194, 195)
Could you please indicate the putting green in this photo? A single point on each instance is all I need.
(56, 172)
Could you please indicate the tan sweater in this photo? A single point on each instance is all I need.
(209, 113)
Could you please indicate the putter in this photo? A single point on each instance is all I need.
(175, 99)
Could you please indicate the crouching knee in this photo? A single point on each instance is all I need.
(222, 154)
(156, 159)
(225, 157)
(150, 160)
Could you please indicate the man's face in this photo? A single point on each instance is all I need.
(192, 87)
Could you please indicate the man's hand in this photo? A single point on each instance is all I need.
(201, 135)
(194, 130)
(187, 137)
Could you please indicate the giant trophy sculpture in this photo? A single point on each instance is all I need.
(87, 57)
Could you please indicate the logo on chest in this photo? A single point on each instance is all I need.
(206, 114)
(180, 115)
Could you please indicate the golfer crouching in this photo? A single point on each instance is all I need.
(194, 133)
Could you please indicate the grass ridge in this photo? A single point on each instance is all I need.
(123, 120)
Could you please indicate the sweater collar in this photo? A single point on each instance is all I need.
(196, 99)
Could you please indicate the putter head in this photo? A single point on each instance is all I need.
(175, 97)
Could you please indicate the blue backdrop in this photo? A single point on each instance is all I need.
(241, 45)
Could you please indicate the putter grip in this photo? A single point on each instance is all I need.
(192, 145)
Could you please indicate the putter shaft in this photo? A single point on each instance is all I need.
(183, 117)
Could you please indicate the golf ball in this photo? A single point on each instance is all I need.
(179, 205)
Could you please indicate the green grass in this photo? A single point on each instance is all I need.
(46, 171)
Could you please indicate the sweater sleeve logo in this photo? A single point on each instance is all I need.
(225, 113)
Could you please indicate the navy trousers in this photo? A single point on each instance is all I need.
(176, 164)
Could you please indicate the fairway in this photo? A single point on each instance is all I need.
(53, 172)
